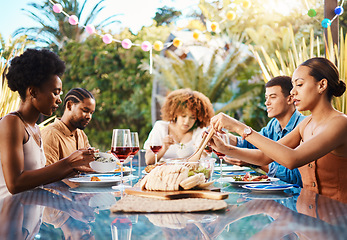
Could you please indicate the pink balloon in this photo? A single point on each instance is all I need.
(146, 46)
(90, 29)
(126, 43)
(107, 38)
(57, 8)
(73, 20)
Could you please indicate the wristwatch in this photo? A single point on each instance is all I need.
(246, 132)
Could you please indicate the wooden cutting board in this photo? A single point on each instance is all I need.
(167, 195)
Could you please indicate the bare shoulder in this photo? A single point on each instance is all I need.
(11, 124)
(10, 120)
(339, 120)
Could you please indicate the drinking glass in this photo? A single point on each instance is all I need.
(121, 148)
(208, 150)
(221, 155)
(135, 148)
(155, 143)
(121, 228)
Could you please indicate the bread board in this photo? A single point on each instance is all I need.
(169, 195)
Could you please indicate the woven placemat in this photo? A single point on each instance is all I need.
(131, 203)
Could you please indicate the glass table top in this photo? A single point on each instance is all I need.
(63, 211)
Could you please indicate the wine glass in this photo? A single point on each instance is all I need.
(121, 148)
(135, 148)
(121, 228)
(155, 144)
(221, 155)
(208, 150)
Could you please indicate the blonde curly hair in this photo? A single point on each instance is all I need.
(181, 100)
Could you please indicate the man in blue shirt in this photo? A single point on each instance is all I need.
(280, 107)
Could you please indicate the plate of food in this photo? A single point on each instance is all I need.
(268, 196)
(93, 181)
(232, 168)
(248, 178)
(268, 187)
(92, 190)
(126, 170)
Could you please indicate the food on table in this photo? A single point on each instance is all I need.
(149, 168)
(95, 179)
(193, 181)
(171, 178)
(251, 178)
(103, 157)
(200, 169)
(125, 169)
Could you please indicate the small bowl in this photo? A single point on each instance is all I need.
(103, 167)
(105, 157)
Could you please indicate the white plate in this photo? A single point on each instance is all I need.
(126, 171)
(267, 187)
(268, 196)
(144, 172)
(92, 190)
(232, 168)
(105, 181)
(232, 180)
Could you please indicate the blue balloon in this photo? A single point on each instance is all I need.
(326, 23)
(338, 10)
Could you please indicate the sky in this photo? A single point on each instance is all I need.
(132, 13)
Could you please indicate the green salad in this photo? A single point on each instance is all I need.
(200, 169)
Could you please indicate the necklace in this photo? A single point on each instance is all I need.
(34, 133)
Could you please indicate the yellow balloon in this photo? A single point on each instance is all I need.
(246, 3)
(196, 35)
(158, 46)
(214, 26)
(231, 15)
(177, 42)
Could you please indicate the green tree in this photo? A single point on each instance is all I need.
(111, 73)
(166, 15)
(54, 29)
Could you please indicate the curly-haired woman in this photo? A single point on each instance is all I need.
(185, 113)
(35, 75)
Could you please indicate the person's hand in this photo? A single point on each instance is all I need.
(80, 159)
(235, 161)
(218, 144)
(221, 120)
(167, 141)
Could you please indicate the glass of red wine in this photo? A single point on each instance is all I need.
(121, 148)
(135, 148)
(155, 143)
(208, 150)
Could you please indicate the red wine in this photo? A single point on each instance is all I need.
(219, 154)
(121, 152)
(134, 151)
(208, 149)
(156, 149)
